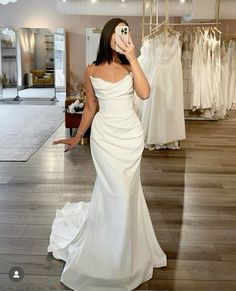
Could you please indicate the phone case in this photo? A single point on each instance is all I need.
(121, 30)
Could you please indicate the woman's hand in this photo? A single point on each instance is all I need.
(71, 142)
(141, 85)
(128, 48)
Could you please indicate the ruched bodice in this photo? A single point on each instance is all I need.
(114, 97)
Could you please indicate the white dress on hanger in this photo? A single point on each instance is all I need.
(206, 69)
(163, 118)
(234, 95)
(196, 72)
(109, 243)
(215, 72)
(146, 62)
(186, 60)
(232, 81)
(225, 78)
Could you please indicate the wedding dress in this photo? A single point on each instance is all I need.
(162, 115)
(109, 243)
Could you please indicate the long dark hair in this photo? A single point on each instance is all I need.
(105, 52)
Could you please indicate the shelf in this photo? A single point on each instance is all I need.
(9, 57)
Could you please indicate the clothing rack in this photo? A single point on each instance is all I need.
(195, 24)
(198, 24)
(157, 26)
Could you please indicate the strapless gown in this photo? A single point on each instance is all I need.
(109, 243)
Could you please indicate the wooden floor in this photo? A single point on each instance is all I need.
(191, 195)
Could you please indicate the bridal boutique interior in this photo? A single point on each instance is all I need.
(190, 190)
(32, 63)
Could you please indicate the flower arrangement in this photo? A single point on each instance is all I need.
(76, 107)
(79, 104)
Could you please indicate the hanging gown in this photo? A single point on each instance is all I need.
(232, 81)
(163, 117)
(225, 78)
(234, 95)
(146, 62)
(196, 72)
(206, 80)
(186, 59)
(215, 72)
(109, 243)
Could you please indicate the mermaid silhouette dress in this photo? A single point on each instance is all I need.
(109, 243)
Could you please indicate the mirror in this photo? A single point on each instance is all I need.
(60, 62)
(35, 49)
(8, 64)
(32, 64)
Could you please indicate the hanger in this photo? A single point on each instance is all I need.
(215, 28)
(212, 30)
(156, 31)
(219, 33)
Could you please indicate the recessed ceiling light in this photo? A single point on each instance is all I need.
(182, 1)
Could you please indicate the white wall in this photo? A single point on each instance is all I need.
(40, 52)
(26, 40)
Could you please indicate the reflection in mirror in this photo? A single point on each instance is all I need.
(8, 68)
(35, 52)
(60, 62)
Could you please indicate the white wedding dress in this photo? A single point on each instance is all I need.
(109, 243)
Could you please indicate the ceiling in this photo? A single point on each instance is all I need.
(188, 9)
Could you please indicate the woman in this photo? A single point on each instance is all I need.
(109, 243)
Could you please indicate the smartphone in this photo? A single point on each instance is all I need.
(121, 31)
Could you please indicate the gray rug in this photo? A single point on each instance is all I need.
(24, 128)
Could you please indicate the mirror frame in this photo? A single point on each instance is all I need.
(16, 72)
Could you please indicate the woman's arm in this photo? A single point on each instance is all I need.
(90, 110)
(91, 105)
(141, 85)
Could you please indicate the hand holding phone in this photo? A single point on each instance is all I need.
(122, 32)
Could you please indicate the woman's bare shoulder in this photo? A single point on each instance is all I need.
(90, 69)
